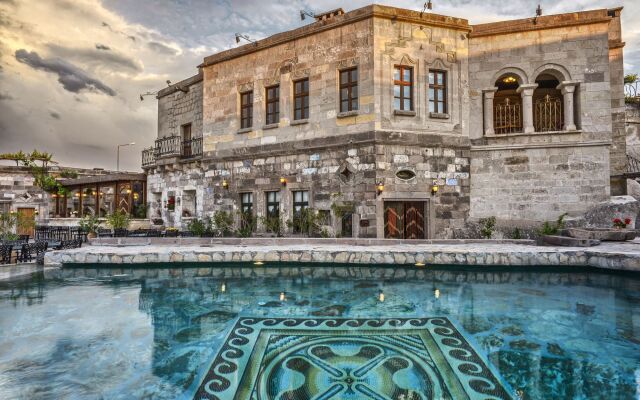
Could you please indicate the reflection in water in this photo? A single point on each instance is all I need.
(550, 335)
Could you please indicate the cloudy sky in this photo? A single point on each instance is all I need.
(71, 71)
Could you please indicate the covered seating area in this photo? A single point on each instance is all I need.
(100, 196)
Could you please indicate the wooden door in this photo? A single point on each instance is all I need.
(404, 220)
(28, 216)
(414, 220)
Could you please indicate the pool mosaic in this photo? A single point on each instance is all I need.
(381, 359)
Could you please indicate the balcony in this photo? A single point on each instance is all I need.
(172, 147)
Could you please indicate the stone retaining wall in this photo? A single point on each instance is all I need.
(615, 257)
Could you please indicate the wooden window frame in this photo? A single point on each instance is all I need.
(246, 122)
(442, 88)
(402, 83)
(349, 85)
(304, 110)
(274, 117)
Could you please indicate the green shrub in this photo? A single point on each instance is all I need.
(552, 228)
(272, 224)
(89, 224)
(223, 221)
(487, 228)
(517, 235)
(306, 221)
(118, 220)
(197, 227)
(247, 225)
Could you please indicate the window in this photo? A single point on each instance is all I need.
(349, 90)
(301, 99)
(5, 207)
(246, 207)
(246, 200)
(273, 204)
(246, 110)
(273, 104)
(347, 225)
(438, 91)
(403, 88)
(300, 204)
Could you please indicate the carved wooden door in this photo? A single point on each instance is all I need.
(404, 220)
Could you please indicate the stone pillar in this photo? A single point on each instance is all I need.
(568, 89)
(526, 91)
(488, 110)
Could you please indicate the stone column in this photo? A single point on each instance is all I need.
(568, 89)
(488, 110)
(526, 91)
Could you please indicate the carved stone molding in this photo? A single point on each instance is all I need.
(349, 62)
(245, 87)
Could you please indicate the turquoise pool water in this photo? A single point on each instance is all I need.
(158, 333)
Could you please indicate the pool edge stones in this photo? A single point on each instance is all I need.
(260, 356)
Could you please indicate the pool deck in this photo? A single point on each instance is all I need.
(624, 256)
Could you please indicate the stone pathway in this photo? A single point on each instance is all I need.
(615, 256)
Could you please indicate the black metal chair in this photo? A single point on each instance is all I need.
(6, 250)
(120, 233)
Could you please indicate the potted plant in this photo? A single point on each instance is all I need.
(90, 225)
(118, 221)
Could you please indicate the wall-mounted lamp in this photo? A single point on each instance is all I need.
(225, 184)
(427, 6)
(304, 14)
(283, 181)
(380, 187)
(245, 37)
(434, 187)
(54, 195)
(36, 212)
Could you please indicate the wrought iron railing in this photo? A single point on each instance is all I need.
(148, 157)
(172, 146)
(507, 117)
(168, 146)
(547, 114)
(192, 147)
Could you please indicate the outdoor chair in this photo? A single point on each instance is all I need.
(5, 253)
(24, 238)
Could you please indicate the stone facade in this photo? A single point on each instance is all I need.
(447, 161)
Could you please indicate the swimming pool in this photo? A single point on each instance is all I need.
(168, 333)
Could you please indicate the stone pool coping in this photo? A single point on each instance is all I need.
(612, 256)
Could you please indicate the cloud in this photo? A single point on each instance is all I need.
(162, 48)
(102, 47)
(71, 77)
(5, 96)
(97, 58)
(54, 114)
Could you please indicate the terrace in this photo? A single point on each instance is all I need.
(170, 149)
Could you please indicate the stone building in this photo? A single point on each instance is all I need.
(409, 123)
(91, 192)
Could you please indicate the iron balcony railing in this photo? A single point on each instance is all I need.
(547, 114)
(172, 146)
(148, 157)
(192, 147)
(508, 117)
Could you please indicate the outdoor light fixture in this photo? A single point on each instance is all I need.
(427, 6)
(36, 212)
(509, 79)
(434, 187)
(143, 95)
(419, 264)
(304, 14)
(258, 263)
(225, 184)
(381, 296)
(283, 181)
(54, 195)
(245, 37)
(380, 187)
(539, 11)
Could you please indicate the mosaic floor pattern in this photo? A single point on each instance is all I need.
(380, 359)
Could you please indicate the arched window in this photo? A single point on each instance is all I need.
(547, 104)
(507, 105)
